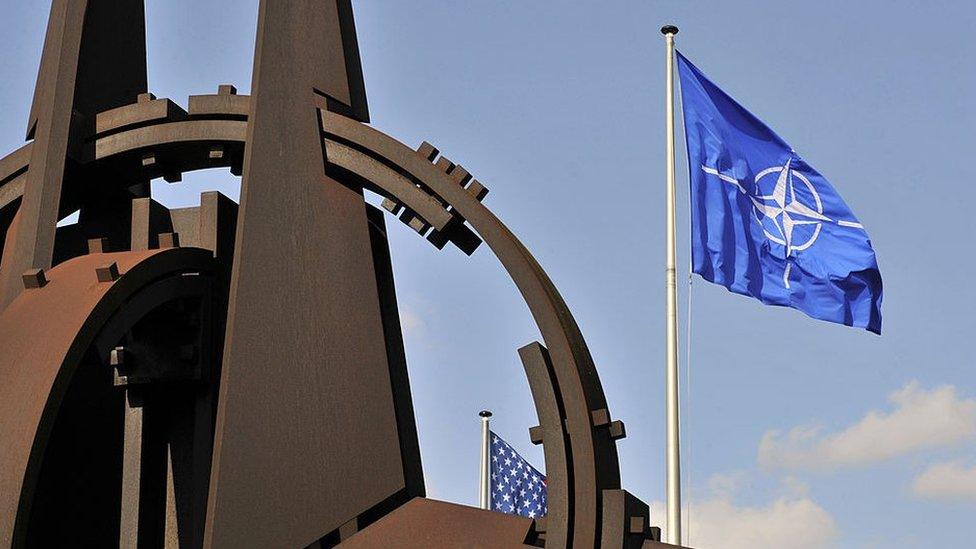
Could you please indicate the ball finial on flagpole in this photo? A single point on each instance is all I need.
(669, 29)
(485, 413)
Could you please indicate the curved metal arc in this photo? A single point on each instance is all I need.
(15, 164)
(170, 133)
(549, 409)
(39, 364)
(12, 191)
(219, 127)
(393, 183)
(13, 167)
(233, 130)
(593, 452)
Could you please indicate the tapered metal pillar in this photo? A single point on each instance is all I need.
(94, 59)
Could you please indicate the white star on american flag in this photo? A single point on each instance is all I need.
(516, 486)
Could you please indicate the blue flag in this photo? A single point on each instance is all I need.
(764, 223)
(517, 488)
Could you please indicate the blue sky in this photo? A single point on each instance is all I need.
(798, 433)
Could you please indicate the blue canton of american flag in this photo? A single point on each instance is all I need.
(517, 488)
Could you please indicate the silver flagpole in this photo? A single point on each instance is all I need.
(673, 456)
(484, 488)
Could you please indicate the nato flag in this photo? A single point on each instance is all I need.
(766, 224)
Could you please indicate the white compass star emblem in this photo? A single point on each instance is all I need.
(785, 212)
(782, 214)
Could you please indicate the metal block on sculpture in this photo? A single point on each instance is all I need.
(600, 417)
(444, 165)
(477, 190)
(419, 225)
(225, 104)
(117, 358)
(428, 151)
(108, 273)
(617, 430)
(393, 207)
(536, 434)
(97, 245)
(169, 240)
(34, 279)
(460, 175)
(458, 233)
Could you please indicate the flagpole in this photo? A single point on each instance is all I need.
(673, 454)
(484, 488)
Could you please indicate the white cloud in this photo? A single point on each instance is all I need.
(790, 520)
(726, 485)
(949, 481)
(920, 419)
(416, 313)
(411, 322)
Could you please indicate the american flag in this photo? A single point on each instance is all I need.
(517, 488)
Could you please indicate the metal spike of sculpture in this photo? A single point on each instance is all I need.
(213, 376)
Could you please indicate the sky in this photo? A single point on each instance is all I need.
(796, 433)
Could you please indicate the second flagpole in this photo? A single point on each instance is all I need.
(484, 482)
(673, 453)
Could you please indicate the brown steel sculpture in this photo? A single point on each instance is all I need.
(214, 376)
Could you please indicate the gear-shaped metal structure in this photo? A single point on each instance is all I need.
(214, 376)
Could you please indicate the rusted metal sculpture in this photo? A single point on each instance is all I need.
(213, 376)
